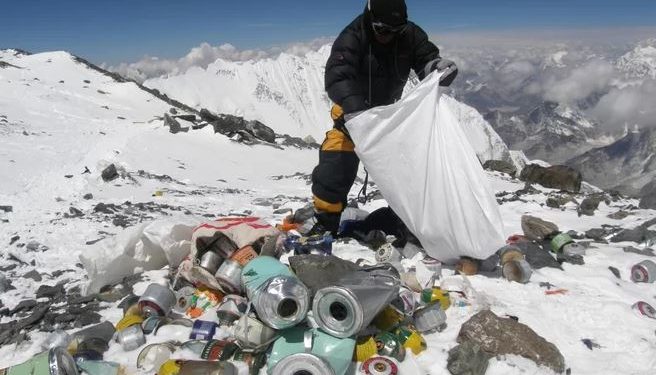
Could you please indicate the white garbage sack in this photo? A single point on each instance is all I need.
(423, 164)
(146, 247)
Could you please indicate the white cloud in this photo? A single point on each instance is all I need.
(579, 83)
(630, 105)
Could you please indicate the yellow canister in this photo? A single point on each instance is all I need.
(387, 319)
(365, 348)
(127, 321)
(170, 367)
(411, 340)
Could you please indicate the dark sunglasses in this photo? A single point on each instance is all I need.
(381, 28)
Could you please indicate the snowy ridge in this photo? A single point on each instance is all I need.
(641, 61)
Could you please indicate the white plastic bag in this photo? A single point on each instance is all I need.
(420, 159)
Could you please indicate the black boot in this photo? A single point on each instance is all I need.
(325, 222)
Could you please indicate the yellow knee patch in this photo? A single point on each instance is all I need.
(336, 112)
(337, 141)
(322, 205)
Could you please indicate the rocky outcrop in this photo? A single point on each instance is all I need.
(554, 177)
(500, 166)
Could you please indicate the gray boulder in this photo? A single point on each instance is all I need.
(648, 196)
(173, 124)
(554, 177)
(500, 166)
(109, 173)
(467, 359)
(590, 204)
(537, 229)
(502, 336)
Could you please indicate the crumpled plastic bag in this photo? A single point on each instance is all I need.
(145, 247)
(421, 160)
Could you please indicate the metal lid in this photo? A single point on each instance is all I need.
(302, 364)
(337, 311)
(283, 302)
(61, 363)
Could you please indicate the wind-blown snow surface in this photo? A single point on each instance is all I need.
(68, 129)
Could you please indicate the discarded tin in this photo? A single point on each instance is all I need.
(218, 243)
(433, 265)
(203, 330)
(517, 270)
(509, 253)
(152, 323)
(195, 346)
(127, 321)
(321, 244)
(573, 248)
(229, 276)
(252, 333)
(645, 309)
(127, 303)
(231, 308)
(388, 318)
(279, 297)
(184, 299)
(202, 300)
(214, 349)
(436, 295)
(87, 355)
(302, 363)
(211, 261)
(560, 240)
(244, 255)
(388, 254)
(131, 338)
(349, 306)
(254, 361)
(189, 367)
(153, 356)
(405, 302)
(56, 339)
(157, 300)
(335, 351)
(644, 272)
(55, 361)
(379, 366)
(365, 348)
(388, 344)
(100, 367)
(467, 266)
(411, 340)
(430, 318)
(104, 331)
(93, 344)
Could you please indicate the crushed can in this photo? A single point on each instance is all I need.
(379, 366)
(152, 323)
(321, 244)
(389, 345)
(644, 272)
(517, 270)
(405, 302)
(157, 300)
(436, 294)
(365, 348)
(127, 321)
(302, 363)
(216, 350)
(279, 297)
(56, 339)
(644, 309)
(573, 248)
(254, 361)
(231, 309)
(252, 333)
(153, 356)
(559, 241)
(430, 319)
(346, 308)
(244, 255)
(184, 299)
(229, 276)
(131, 338)
(336, 352)
(55, 361)
(388, 254)
(211, 261)
(203, 330)
(387, 319)
(433, 265)
(411, 339)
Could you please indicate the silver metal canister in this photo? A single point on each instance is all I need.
(229, 276)
(56, 339)
(433, 265)
(517, 270)
(252, 333)
(183, 299)
(429, 319)
(388, 254)
(231, 309)
(188, 367)
(55, 361)
(302, 364)
(131, 338)
(644, 272)
(157, 300)
(348, 307)
(210, 261)
(282, 302)
(645, 309)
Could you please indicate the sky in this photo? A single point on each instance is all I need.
(117, 31)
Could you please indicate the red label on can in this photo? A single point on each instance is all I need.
(244, 255)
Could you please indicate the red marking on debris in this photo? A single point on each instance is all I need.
(556, 291)
(515, 238)
(234, 221)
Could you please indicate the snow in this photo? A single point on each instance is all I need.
(68, 129)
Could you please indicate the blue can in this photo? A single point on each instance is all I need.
(203, 330)
(319, 244)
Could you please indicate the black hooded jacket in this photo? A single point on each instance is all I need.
(362, 73)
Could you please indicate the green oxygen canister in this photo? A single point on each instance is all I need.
(336, 352)
(55, 361)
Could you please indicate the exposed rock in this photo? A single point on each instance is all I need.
(597, 234)
(501, 166)
(555, 177)
(647, 252)
(190, 118)
(6, 208)
(637, 234)
(559, 200)
(5, 284)
(500, 336)
(288, 140)
(74, 212)
(648, 196)
(173, 111)
(46, 291)
(615, 272)
(13, 239)
(34, 275)
(208, 116)
(590, 204)
(619, 215)
(317, 271)
(35, 246)
(173, 124)
(246, 131)
(87, 196)
(537, 229)
(467, 359)
(261, 131)
(109, 173)
(537, 256)
(25, 305)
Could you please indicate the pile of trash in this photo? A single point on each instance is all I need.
(250, 298)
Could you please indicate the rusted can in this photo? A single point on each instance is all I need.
(184, 299)
(211, 261)
(244, 255)
(517, 270)
(214, 350)
(229, 276)
(157, 300)
(644, 309)
(379, 366)
(644, 272)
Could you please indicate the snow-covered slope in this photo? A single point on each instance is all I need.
(641, 61)
(287, 93)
